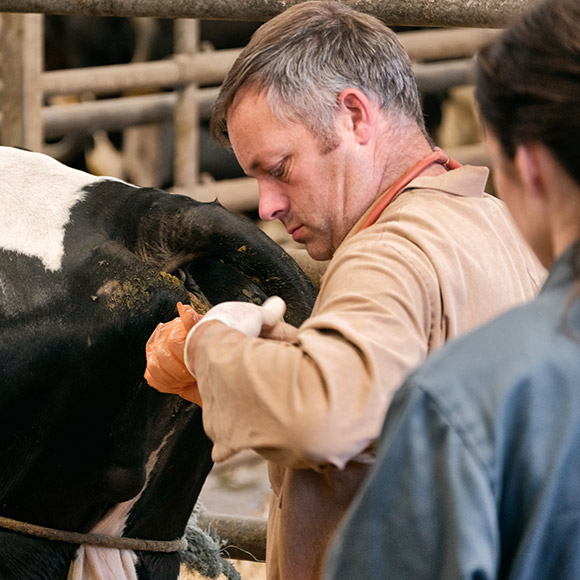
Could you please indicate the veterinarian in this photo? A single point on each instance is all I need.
(322, 109)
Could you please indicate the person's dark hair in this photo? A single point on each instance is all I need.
(304, 57)
(528, 82)
(528, 85)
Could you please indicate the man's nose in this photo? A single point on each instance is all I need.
(273, 204)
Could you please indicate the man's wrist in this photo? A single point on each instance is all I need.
(192, 340)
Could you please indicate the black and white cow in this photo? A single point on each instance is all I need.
(86, 273)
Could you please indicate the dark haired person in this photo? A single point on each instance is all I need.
(478, 467)
(322, 109)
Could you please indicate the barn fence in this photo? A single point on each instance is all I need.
(441, 57)
(451, 13)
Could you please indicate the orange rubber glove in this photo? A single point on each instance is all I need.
(166, 370)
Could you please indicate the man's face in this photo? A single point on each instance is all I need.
(311, 191)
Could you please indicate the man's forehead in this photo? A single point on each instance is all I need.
(247, 95)
(258, 137)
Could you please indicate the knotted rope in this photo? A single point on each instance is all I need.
(97, 540)
(199, 550)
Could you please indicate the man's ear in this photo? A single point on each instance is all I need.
(528, 162)
(358, 114)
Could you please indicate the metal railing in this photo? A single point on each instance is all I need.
(448, 13)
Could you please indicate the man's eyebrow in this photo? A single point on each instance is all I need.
(256, 166)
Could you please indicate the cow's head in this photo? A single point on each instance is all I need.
(88, 267)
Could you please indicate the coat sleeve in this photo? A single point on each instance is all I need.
(321, 399)
(428, 509)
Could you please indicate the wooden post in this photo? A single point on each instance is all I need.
(186, 119)
(22, 64)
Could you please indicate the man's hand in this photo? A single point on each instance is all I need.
(166, 370)
(246, 317)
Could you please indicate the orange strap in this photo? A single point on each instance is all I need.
(438, 156)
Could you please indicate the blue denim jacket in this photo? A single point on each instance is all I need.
(478, 467)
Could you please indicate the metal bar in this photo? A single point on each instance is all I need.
(116, 114)
(119, 78)
(245, 536)
(440, 76)
(210, 68)
(442, 44)
(22, 58)
(103, 80)
(447, 13)
(108, 114)
(204, 68)
(186, 115)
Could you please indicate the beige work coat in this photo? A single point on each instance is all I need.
(441, 259)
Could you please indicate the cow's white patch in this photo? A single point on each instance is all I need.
(36, 196)
(93, 563)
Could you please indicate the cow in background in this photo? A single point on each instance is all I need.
(88, 267)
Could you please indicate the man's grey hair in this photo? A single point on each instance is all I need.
(307, 55)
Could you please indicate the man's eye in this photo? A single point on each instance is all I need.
(279, 172)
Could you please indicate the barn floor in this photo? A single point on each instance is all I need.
(238, 486)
